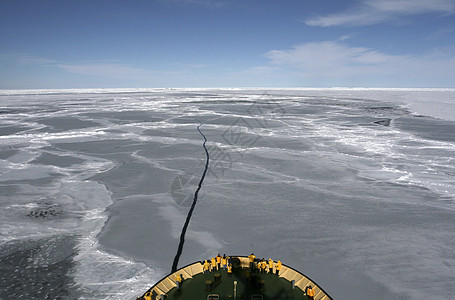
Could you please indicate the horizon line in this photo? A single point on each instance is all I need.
(127, 89)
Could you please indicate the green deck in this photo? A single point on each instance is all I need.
(274, 287)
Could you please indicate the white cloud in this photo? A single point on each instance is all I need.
(334, 61)
(370, 12)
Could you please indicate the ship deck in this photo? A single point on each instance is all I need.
(274, 287)
(249, 285)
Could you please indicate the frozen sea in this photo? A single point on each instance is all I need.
(353, 187)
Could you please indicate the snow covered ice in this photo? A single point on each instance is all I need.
(353, 187)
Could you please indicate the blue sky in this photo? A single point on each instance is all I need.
(221, 43)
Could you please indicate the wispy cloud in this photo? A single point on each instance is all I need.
(116, 71)
(370, 12)
(329, 55)
(334, 60)
(205, 3)
(28, 59)
(105, 70)
(412, 6)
